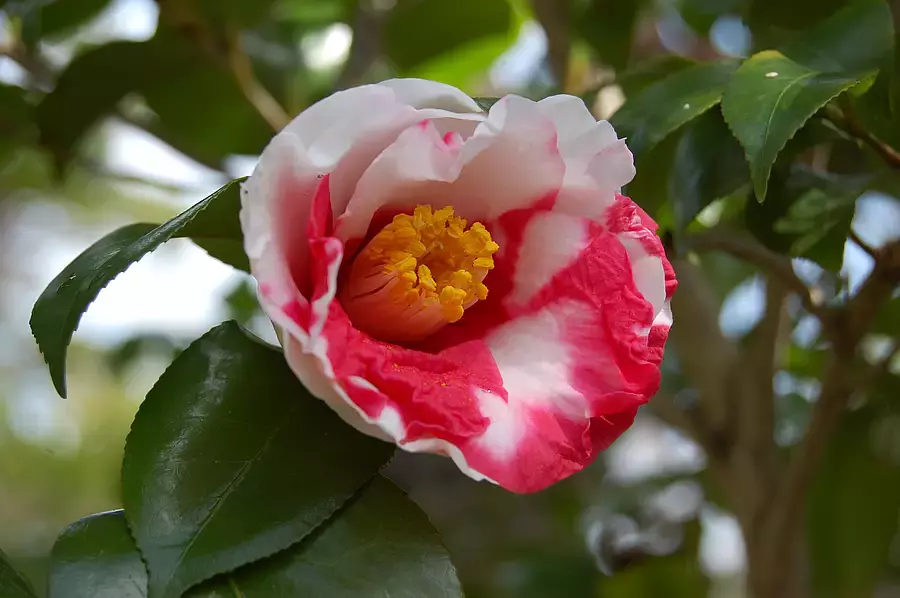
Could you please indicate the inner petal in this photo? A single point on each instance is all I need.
(418, 274)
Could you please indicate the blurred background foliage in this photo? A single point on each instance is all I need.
(119, 110)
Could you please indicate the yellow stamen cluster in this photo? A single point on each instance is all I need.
(435, 259)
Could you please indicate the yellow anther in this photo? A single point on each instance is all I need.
(418, 273)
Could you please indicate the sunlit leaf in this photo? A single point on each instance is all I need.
(56, 314)
(768, 100)
(665, 106)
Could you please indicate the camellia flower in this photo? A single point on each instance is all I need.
(458, 282)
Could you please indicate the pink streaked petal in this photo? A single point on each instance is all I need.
(511, 161)
(410, 169)
(551, 241)
(547, 428)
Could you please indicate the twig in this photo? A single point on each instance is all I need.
(862, 244)
(751, 251)
(365, 48)
(554, 17)
(267, 106)
(844, 119)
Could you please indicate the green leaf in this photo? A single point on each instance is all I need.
(185, 76)
(55, 18)
(90, 87)
(709, 165)
(190, 95)
(16, 114)
(231, 460)
(667, 105)
(820, 222)
(768, 100)
(857, 39)
(12, 583)
(381, 544)
(418, 31)
(644, 74)
(378, 544)
(485, 103)
(59, 308)
(650, 187)
(853, 505)
(888, 319)
(96, 558)
(608, 28)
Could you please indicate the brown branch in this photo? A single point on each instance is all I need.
(706, 357)
(751, 251)
(848, 328)
(554, 17)
(258, 96)
(862, 244)
(756, 428)
(846, 120)
(365, 48)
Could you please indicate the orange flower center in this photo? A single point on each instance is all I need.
(419, 273)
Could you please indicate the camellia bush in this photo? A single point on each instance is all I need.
(495, 280)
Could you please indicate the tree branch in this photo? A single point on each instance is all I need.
(751, 251)
(862, 244)
(554, 17)
(845, 120)
(365, 49)
(706, 357)
(849, 327)
(258, 96)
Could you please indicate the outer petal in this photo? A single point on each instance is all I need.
(534, 381)
(475, 178)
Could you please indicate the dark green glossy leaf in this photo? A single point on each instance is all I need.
(650, 187)
(855, 40)
(709, 165)
(665, 106)
(768, 100)
(380, 544)
(420, 30)
(96, 558)
(608, 27)
(12, 583)
(853, 505)
(59, 308)
(231, 460)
